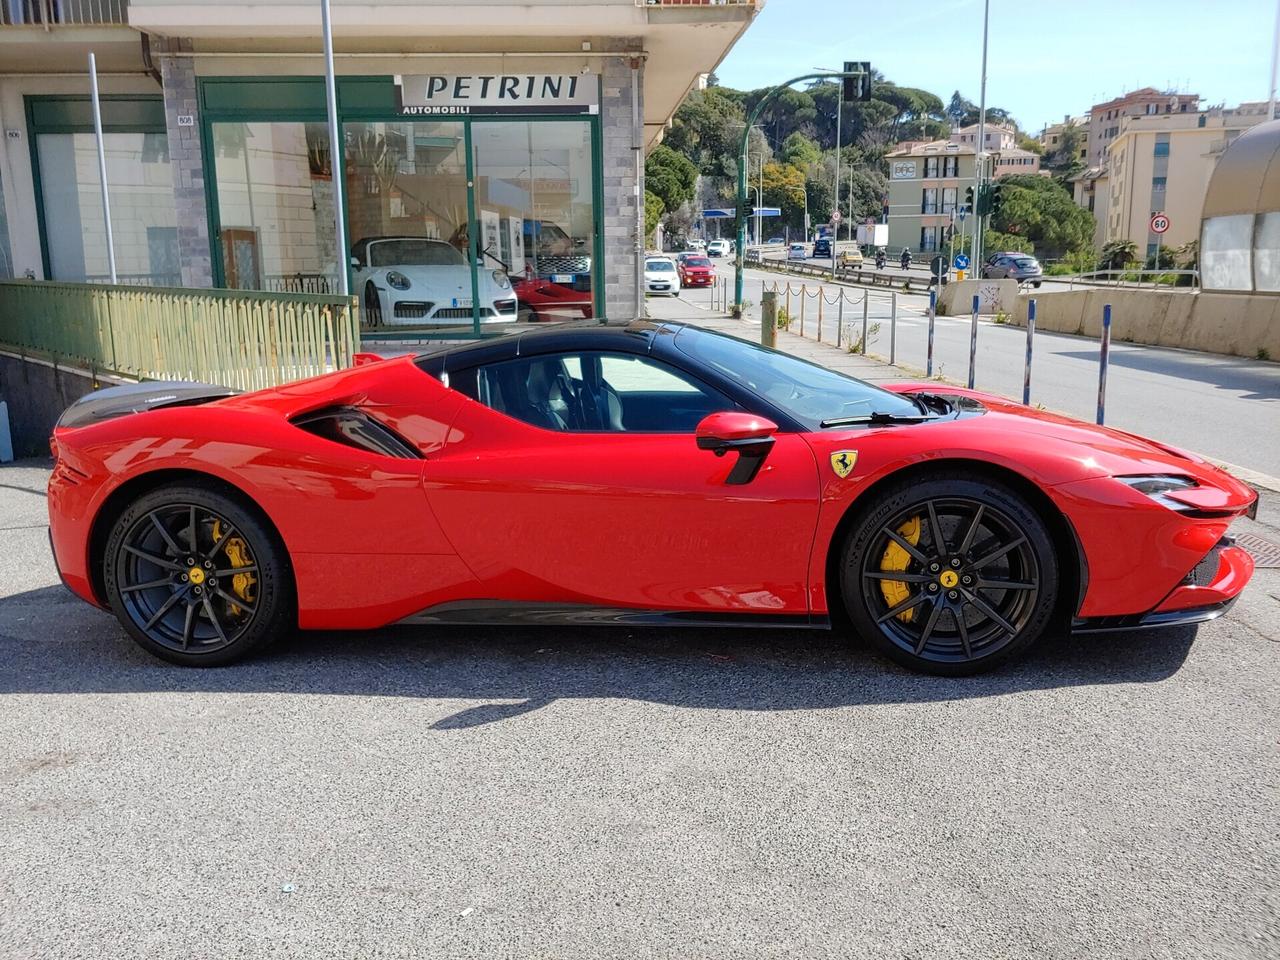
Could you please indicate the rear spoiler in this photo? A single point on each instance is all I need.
(138, 398)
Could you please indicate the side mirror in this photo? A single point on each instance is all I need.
(750, 436)
(355, 262)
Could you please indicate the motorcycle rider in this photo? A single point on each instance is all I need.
(880, 258)
(906, 258)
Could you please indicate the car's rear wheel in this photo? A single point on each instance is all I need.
(195, 577)
(949, 576)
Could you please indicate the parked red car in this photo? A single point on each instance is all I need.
(696, 271)
(542, 300)
(653, 473)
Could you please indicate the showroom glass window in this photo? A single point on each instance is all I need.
(534, 202)
(139, 181)
(275, 206)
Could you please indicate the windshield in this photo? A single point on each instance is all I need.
(660, 266)
(810, 393)
(411, 252)
(1023, 262)
(697, 262)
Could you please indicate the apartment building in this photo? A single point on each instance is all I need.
(1105, 118)
(516, 121)
(927, 184)
(1163, 163)
(1002, 143)
(1051, 136)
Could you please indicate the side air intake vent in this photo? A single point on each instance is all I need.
(355, 428)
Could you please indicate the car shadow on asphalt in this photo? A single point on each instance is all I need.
(52, 643)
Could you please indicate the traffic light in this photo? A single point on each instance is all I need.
(994, 198)
(968, 198)
(856, 89)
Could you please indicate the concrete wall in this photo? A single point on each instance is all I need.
(1231, 323)
(37, 393)
(994, 296)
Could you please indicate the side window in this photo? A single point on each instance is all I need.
(593, 393)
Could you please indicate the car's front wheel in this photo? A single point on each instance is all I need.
(951, 576)
(195, 577)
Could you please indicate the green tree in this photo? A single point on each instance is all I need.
(653, 210)
(1118, 254)
(671, 176)
(800, 151)
(1041, 211)
(1063, 161)
(706, 128)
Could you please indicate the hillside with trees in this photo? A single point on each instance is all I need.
(792, 161)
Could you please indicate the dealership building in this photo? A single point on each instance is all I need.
(521, 123)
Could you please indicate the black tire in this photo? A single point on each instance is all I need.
(372, 306)
(957, 622)
(1036, 284)
(233, 600)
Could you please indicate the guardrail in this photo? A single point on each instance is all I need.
(855, 275)
(58, 13)
(237, 338)
(1131, 277)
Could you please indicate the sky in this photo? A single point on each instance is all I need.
(1046, 58)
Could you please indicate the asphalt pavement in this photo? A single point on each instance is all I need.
(628, 793)
(1226, 408)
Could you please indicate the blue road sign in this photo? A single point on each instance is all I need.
(962, 261)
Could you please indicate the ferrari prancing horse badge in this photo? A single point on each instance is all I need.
(842, 462)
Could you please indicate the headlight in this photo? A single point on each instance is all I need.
(1156, 486)
(398, 280)
(500, 279)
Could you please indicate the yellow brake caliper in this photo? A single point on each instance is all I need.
(237, 551)
(895, 560)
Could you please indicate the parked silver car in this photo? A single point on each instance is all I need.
(1022, 267)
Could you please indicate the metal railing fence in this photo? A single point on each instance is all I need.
(242, 339)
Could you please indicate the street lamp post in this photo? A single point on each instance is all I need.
(979, 161)
(739, 279)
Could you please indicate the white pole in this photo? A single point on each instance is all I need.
(335, 154)
(978, 168)
(835, 198)
(102, 166)
(1275, 56)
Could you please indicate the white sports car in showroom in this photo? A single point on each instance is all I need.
(413, 280)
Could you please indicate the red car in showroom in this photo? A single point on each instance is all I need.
(653, 473)
(696, 271)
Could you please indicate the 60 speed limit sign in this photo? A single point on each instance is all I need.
(1159, 223)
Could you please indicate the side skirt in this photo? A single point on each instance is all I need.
(512, 612)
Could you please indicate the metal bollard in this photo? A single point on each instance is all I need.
(788, 299)
(1026, 372)
(821, 298)
(840, 319)
(769, 318)
(866, 306)
(893, 329)
(973, 341)
(933, 313)
(1104, 358)
(804, 296)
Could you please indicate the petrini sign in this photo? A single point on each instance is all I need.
(436, 94)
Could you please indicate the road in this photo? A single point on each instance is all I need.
(628, 793)
(1223, 407)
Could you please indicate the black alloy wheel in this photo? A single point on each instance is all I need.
(950, 577)
(195, 578)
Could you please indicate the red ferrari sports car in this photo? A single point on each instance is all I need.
(649, 473)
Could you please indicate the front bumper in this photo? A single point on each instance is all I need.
(1206, 593)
